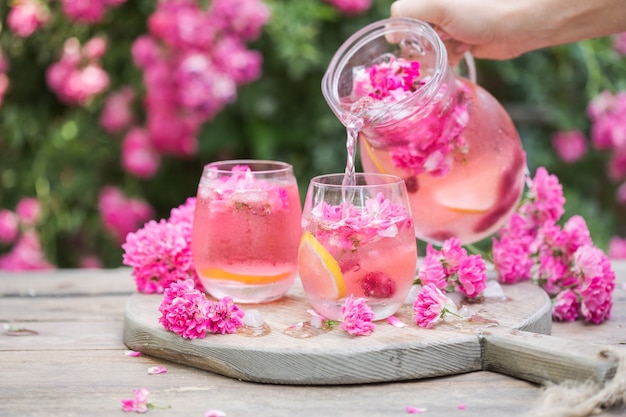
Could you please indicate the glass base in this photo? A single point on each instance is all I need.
(246, 293)
(381, 309)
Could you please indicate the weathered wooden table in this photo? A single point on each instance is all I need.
(62, 354)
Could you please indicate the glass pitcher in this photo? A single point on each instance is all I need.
(453, 143)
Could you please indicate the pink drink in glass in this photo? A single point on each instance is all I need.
(364, 246)
(246, 230)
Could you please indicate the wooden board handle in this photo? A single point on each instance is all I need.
(540, 358)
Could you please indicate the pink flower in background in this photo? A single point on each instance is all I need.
(117, 113)
(351, 7)
(9, 226)
(122, 215)
(26, 16)
(90, 262)
(243, 18)
(88, 11)
(617, 164)
(566, 306)
(607, 112)
(26, 254)
(620, 194)
(617, 248)
(139, 157)
(28, 210)
(431, 306)
(77, 77)
(357, 317)
(570, 145)
(4, 86)
(619, 43)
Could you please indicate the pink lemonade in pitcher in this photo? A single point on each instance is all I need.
(452, 142)
(246, 230)
(364, 246)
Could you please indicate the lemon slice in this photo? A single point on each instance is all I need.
(249, 277)
(471, 194)
(319, 271)
(370, 154)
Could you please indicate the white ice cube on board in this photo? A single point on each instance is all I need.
(253, 318)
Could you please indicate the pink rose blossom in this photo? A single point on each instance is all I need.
(617, 248)
(122, 215)
(90, 262)
(117, 114)
(9, 226)
(546, 195)
(566, 306)
(588, 261)
(223, 316)
(620, 194)
(570, 145)
(139, 157)
(243, 18)
(26, 16)
(28, 210)
(159, 254)
(139, 403)
(431, 306)
(357, 317)
(183, 310)
(431, 270)
(597, 302)
(617, 163)
(351, 7)
(472, 276)
(27, 254)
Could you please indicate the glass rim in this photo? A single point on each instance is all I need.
(219, 166)
(391, 180)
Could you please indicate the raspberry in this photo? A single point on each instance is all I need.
(378, 285)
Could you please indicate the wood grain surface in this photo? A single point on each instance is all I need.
(334, 357)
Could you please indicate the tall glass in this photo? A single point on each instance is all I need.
(456, 147)
(246, 229)
(358, 240)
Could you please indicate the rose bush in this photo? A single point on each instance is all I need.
(110, 108)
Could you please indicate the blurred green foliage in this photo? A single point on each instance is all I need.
(60, 155)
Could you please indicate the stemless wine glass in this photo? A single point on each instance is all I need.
(358, 240)
(246, 229)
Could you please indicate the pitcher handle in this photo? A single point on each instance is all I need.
(471, 66)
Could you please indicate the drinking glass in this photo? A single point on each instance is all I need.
(246, 229)
(357, 240)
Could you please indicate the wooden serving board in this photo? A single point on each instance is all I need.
(508, 335)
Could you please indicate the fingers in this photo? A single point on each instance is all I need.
(425, 10)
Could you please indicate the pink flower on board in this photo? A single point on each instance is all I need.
(223, 316)
(26, 16)
(431, 270)
(9, 226)
(139, 403)
(566, 306)
(472, 276)
(570, 145)
(183, 310)
(431, 306)
(597, 301)
(357, 317)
